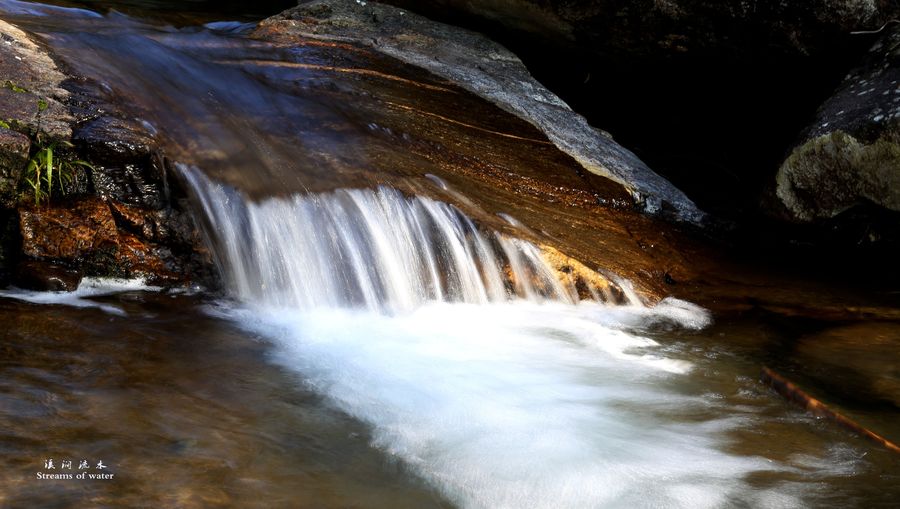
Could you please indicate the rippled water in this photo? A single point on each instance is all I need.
(204, 404)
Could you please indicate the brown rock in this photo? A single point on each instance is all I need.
(69, 232)
(83, 233)
(587, 283)
(46, 277)
(137, 257)
(133, 218)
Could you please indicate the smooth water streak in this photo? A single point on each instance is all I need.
(375, 249)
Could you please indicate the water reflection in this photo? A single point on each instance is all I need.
(184, 409)
(189, 411)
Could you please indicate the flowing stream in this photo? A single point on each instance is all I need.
(498, 391)
(377, 347)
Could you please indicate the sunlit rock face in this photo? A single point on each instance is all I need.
(483, 67)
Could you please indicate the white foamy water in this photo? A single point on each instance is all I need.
(520, 405)
(469, 362)
(82, 297)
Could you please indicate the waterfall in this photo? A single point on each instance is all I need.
(375, 249)
(469, 359)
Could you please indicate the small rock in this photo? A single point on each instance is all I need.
(125, 168)
(46, 277)
(114, 140)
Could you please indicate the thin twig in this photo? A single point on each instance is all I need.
(795, 394)
(869, 32)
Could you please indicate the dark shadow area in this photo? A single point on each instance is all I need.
(717, 120)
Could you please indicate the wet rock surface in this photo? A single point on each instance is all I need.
(67, 231)
(148, 235)
(46, 277)
(851, 153)
(128, 168)
(83, 233)
(488, 70)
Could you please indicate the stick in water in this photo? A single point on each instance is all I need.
(793, 393)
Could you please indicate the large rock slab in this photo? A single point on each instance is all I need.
(488, 70)
(851, 153)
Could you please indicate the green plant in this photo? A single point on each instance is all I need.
(46, 170)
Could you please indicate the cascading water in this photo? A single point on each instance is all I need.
(376, 249)
(472, 364)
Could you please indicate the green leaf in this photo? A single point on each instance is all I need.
(42, 105)
(49, 171)
(3, 124)
(83, 163)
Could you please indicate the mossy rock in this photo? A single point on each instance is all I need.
(833, 172)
